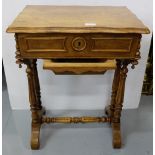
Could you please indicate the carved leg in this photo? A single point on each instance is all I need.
(37, 87)
(110, 109)
(35, 103)
(118, 104)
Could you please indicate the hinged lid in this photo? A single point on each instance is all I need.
(76, 19)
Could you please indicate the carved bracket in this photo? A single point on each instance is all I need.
(137, 56)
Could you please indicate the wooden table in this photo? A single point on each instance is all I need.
(77, 40)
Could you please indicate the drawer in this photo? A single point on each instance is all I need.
(78, 45)
(94, 66)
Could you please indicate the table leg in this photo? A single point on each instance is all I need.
(119, 103)
(35, 102)
(37, 87)
(37, 84)
(110, 109)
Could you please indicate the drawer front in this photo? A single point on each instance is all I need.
(78, 45)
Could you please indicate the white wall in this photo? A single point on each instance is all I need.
(72, 92)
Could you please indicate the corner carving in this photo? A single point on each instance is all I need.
(137, 56)
(19, 60)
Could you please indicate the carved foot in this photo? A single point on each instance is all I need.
(35, 143)
(116, 135)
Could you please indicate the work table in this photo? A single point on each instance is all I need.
(77, 40)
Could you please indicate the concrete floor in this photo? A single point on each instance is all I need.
(77, 139)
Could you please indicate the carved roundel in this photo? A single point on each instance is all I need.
(79, 43)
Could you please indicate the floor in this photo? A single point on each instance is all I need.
(77, 139)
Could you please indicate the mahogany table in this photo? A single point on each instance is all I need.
(77, 40)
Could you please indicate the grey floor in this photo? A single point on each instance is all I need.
(77, 139)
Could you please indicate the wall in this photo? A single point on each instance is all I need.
(72, 92)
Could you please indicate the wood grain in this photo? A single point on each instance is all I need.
(80, 19)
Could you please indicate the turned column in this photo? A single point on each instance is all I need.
(35, 102)
(117, 104)
(119, 95)
(37, 84)
(114, 89)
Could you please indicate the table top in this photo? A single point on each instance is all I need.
(80, 19)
